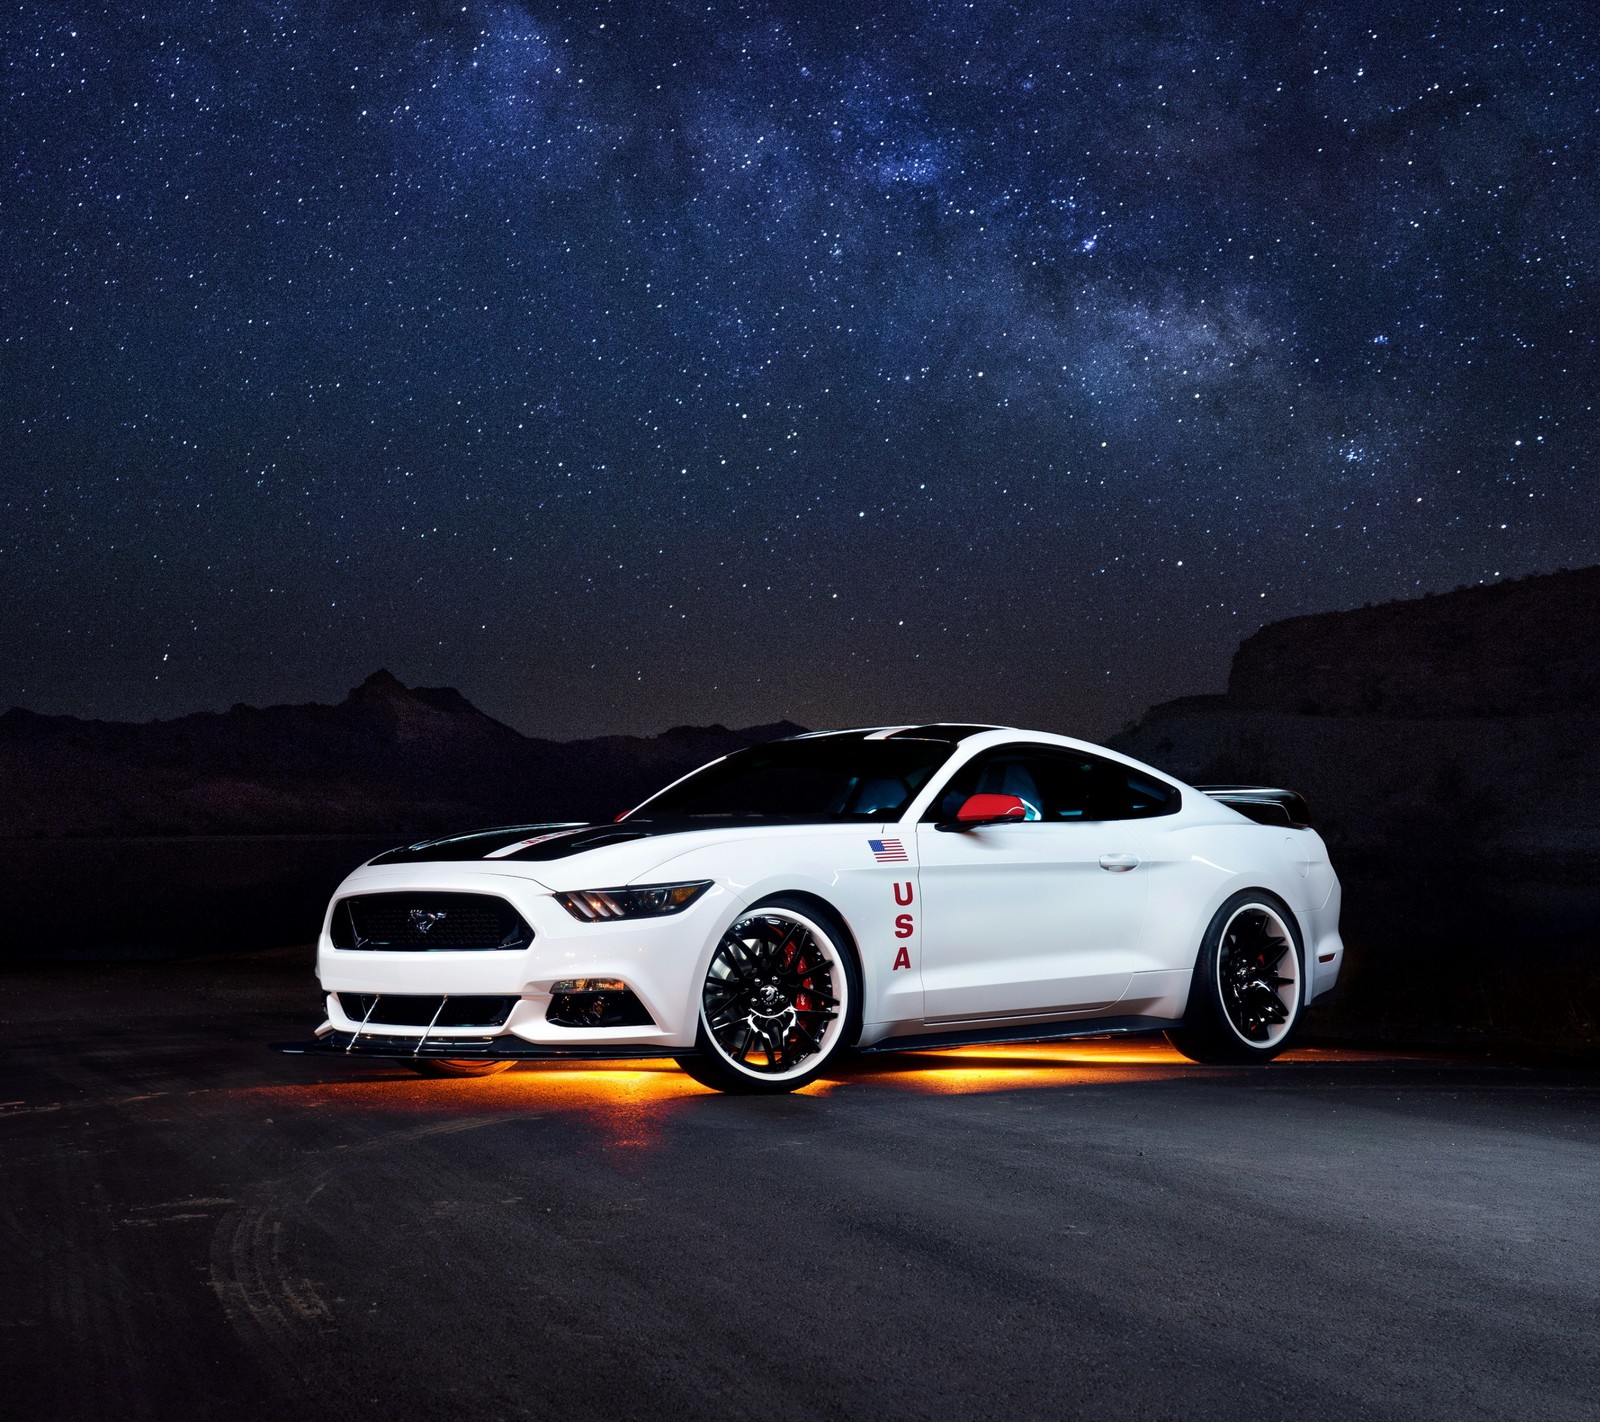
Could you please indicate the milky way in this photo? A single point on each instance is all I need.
(625, 366)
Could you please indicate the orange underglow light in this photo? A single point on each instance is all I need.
(631, 1102)
(963, 1070)
(1077, 1063)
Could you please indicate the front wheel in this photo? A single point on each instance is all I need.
(1245, 1000)
(781, 999)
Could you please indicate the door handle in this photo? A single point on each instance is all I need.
(1119, 863)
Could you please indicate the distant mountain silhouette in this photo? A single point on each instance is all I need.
(388, 758)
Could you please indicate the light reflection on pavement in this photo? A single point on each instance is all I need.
(631, 1101)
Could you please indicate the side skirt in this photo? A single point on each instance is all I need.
(1023, 1032)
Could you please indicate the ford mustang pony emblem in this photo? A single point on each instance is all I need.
(423, 920)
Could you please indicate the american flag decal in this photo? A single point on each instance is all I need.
(887, 851)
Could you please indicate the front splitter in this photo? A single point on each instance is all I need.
(471, 1049)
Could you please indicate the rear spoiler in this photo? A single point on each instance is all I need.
(1263, 804)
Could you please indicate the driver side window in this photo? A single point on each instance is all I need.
(1058, 786)
(1002, 772)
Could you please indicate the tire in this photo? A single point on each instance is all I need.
(780, 1001)
(436, 1066)
(1248, 991)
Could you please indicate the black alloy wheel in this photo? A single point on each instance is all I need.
(1248, 988)
(780, 999)
(1249, 959)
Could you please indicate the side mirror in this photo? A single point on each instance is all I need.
(987, 810)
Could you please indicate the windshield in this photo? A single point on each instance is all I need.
(808, 781)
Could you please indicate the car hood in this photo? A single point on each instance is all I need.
(593, 856)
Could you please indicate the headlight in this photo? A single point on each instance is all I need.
(646, 901)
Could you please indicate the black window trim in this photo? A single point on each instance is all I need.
(929, 813)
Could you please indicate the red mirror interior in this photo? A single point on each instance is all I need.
(991, 807)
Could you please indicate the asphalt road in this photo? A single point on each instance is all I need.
(192, 1227)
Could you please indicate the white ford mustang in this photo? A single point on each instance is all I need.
(898, 888)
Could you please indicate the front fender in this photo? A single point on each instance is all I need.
(876, 902)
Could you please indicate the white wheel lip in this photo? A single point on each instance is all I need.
(835, 1028)
(1278, 1030)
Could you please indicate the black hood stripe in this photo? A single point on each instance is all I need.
(536, 843)
(476, 845)
(525, 843)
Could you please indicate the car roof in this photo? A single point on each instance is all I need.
(981, 737)
(950, 731)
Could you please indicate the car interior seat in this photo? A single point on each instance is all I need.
(1010, 777)
(884, 795)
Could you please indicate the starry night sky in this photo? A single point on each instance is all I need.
(632, 365)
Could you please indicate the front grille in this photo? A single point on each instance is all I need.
(396, 1010)
(423, 922)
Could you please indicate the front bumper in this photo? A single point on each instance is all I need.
(662, 960)
(502, 1048)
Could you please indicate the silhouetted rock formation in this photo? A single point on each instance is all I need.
(1510, 649)
(1458, 726)
(388, 758)
(1450, 749)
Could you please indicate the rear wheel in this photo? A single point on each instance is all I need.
(435, 1066)
(1245, 1000)
(781, 1000)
